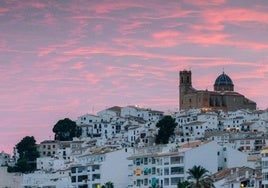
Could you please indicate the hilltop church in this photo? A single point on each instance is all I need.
(222, 98)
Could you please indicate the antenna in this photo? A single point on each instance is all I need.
(190, 67)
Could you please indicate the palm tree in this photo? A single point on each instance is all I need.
(183, 184)
(109, 184)
(199, 174)
(155, 186)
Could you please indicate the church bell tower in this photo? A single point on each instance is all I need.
(185, 85)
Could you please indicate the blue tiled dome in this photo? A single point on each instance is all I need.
(223, 80)
(223, 83)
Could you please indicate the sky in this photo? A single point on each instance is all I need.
(66, 58)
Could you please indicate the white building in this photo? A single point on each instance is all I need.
(264, 170)
(13, 180)
(4, 158)
(48, 148)
(145, 113)
(237, 177)
(192, 124)
(168, 165)
(101, 166)
(41, 179)
(110, 113)
(50, 164)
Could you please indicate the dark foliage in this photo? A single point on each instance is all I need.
(66, 130)
(200, 177)
(28, 153)
(166, 129)
(184, 184)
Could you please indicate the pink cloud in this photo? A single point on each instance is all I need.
(3, 10)
(63, 61)
(78, 66)
(166, 38)
(130, 28)
(92, 78)
(98, 29)
(205, 3)
(234, 15)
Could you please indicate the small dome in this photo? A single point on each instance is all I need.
(223, 83)
(223, 79)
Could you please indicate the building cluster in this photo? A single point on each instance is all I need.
(221, 131)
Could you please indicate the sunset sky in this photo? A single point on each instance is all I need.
(66, 58)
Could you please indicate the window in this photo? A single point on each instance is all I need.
(80, 169)
(73, 179)
(95, 167)
(166, 181)
(264, 164)
(175, 181)
(139, 161)
(176, 160)
(153, 170)
(166, 161)
(146, 182)
(83, 186)
(139, 182)
(95, 176)
(177, 170)
(138, 172)
(145, 161)
(166, 171)
(81, 178)
(265, 176)
(73, 170)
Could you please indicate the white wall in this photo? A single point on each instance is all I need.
(115, 168)
(204, 155)
(235, 158)
(13, 180)
(129, 110)
(59, 179)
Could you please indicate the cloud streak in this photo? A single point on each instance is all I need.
(66, 58)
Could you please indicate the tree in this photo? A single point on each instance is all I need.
(200, 177)
(28, 154)
(155, 186)
(183, 184)
(108, 184)
(66, 129)
(166, 129)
